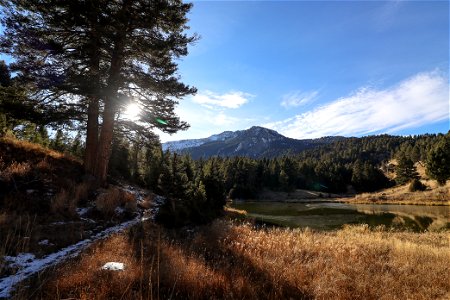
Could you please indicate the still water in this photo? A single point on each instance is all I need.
(333, 215)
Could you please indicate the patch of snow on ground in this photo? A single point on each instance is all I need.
(119, 210)
(21, 260)
(45, 243)
(31, 266)
(81, 211)
(113, 266)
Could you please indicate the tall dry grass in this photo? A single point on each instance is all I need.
(237, 261)
(434, 195)
(32, 147)
(15, 169)
(15, 235)
(107, 202)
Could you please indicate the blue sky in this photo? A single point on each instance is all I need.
(315, 68)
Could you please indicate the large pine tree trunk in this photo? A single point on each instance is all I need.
(90, 154)
(111, 98)
(105, 142)
(92, 130)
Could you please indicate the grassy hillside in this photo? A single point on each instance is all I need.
(47, 204)
(434, 194)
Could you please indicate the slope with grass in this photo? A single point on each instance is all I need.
(229, 260)
(434, 194)
(49, 211)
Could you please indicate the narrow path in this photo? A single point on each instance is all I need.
(7, 284)
(31, 266)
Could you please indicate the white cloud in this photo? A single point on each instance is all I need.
(298, 98)
(234, 99)
(419, 100)
(205, 122)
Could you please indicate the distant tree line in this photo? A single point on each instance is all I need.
(196, 190)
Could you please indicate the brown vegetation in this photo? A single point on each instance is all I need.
(433, 195)
(113, 198)
(232, 261)
(40, 191)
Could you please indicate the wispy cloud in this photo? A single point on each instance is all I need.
(298, 98)
(386, 15)
(419, 100)
(206, 122)
(234, 99)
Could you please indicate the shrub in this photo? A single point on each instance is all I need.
(15, 169)
(64, 204)
(129, 202)
(417, 185)
(81, 191)
(107, 202)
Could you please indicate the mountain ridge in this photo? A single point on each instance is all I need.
(255, 142)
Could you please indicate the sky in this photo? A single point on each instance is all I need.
(309, 69)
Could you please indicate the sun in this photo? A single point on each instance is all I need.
(132, 111)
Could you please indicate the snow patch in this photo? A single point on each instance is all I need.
(44, 243)
(239, 147)
(113, 266)
(119, 210)
(81, 211)
(180, 145)
(32, 266)
(21, 260)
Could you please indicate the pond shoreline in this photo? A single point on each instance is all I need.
(346, 200)
(326, 215)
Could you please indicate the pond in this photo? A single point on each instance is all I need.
(333, 215)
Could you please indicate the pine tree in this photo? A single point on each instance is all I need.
(58, 142)
(154, 165)
(214, 186)
(102, 51)
(76, 147)
(405, 170)
(438, 161)
(119, 164)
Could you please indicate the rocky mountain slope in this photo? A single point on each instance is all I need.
(256, 142)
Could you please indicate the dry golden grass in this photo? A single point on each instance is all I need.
(32, 147)
(15, 169)
(235, 261)
(64, 204)
(81, 190)
(128, 200)
(435, 195)
(108, 201)
(15, 232)
(235, 211)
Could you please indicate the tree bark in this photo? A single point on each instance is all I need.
(111, 98)
(90, 154)
(105, 142)
(92, 129)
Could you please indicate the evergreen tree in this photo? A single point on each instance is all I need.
(119, 164)
(154, 165)
(438, 162)
(214, 186)
(108, 51)
(76, 147)
(405, 170)
(58, 142)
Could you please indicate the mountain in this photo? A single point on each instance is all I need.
(256, 142)
(183, 144)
